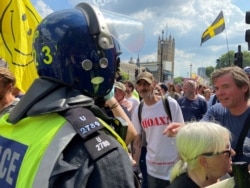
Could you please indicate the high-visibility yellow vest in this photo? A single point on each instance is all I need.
(24, 145)
(30, 148)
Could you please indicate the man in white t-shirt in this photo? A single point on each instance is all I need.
(161, 150)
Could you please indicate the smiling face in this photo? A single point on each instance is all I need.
(17, 28)
(229, 94)
(18, 22)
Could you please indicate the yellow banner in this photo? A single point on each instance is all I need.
(18, 21)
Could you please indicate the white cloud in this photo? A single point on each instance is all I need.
(42, 8)
(185, 20)
(149, 57)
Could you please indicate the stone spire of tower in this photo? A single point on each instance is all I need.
(138, 61)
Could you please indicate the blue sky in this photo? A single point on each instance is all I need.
(185, 20)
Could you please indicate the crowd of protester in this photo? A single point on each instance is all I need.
(189, 102)
(162, 134)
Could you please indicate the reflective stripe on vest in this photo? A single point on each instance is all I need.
(60, 141)
(23, 145)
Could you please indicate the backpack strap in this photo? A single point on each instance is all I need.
(165, 104)
(91, 130)
(215, 100)
(140, 110)
(243, 134)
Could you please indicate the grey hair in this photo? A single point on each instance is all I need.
(197, 138)
(192, 83)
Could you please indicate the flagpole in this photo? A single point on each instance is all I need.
(227, 48)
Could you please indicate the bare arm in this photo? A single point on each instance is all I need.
(136, 148)
(119, 112)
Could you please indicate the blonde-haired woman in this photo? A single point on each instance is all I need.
(205, 155)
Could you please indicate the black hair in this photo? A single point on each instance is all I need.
(164, 87)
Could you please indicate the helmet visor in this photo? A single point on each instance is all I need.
(128, 31)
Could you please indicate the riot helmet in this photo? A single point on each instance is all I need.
(79, 48)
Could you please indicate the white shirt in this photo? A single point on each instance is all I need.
(161, 150)
(135, 102)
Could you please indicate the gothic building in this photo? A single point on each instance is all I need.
(162, 68)
(165, 57)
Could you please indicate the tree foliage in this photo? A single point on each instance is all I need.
(209, 70)
(124, 75)
(246, 58)
(227, 59)
(178, 80)
(224, 60)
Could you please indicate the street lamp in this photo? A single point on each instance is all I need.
(161, 69)
(190, 70)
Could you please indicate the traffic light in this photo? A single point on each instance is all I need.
(118, 64)
(247, 34)
(136, 72)
(238, 58)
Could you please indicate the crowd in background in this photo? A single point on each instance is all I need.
(81, 125)
(189, 103)
(194, 100)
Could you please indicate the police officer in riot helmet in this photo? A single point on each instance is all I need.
(55, 134)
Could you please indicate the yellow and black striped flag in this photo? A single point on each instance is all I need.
(18, 20)
(216, 28)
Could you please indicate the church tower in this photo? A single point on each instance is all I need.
(165, 57)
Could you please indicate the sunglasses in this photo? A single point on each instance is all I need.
(227, 151)
(247, 70)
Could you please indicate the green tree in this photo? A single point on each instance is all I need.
(125, 75)
(209, 70)
(246, 58)
(227, 59)
(178, 80)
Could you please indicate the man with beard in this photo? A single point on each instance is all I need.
(193, 107)
(161, 150)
